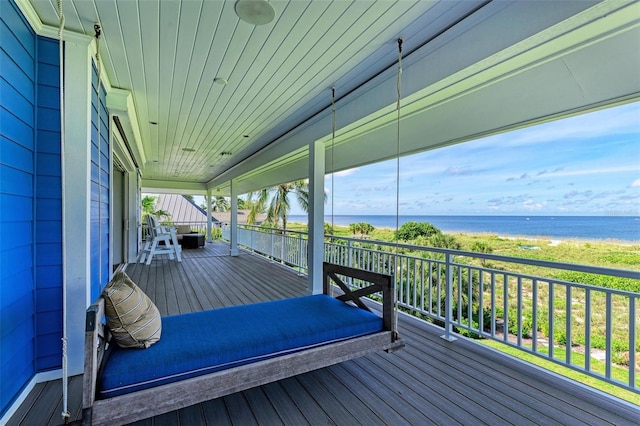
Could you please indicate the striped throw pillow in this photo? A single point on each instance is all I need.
(132, 318)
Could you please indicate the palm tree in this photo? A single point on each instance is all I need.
(279, 206)
(149, 207)
(218, 204)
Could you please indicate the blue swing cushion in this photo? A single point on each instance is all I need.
(204, 342)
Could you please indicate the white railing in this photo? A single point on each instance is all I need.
(286, 247)
(199, 227)
(542, 313)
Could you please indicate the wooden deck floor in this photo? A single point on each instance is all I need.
(430, 381)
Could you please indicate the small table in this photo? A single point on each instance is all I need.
(192, 241)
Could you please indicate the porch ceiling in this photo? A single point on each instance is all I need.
(470, 68)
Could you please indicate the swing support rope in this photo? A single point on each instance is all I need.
(399, 93)
(65, 362)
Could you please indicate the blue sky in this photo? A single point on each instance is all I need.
(585, 165)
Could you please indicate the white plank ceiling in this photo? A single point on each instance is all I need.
(168, 52)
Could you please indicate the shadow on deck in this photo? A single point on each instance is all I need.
(430, 381)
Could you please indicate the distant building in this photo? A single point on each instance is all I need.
(183, 210)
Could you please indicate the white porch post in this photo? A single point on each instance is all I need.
(233, 231)
(132, 211)
(209, 239)
(77, 196)
(315, 254)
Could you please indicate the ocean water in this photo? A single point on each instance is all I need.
(624, 228)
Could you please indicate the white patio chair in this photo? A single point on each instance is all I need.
(158, 233)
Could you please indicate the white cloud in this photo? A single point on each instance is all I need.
(635, 184)
(347, 172)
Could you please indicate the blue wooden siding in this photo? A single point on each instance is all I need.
(48, 218)
(17, 139)
(30, 205)
(100, 187)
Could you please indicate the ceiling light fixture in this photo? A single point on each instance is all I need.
(153, 123)
(188, 149)
(225, 153)
(255, 12)
(220, 80)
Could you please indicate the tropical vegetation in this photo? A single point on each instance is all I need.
(276, 202)
(149, 207)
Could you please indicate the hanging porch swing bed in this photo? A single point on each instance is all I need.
(205, 355)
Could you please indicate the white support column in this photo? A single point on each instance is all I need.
(316, 216)
(77, 197)
(132, 211)
(209, 239)
(233, 231)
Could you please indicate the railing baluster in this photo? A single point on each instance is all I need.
(460, 292)
(519, 310)
(493, 304)
(415, 283)
(587, 330)
(439, 274)
(470, 297)
(551, 317)
(568, 338)
(609, 335)
(430, 285)
(481, 302)
(534, 319)
(422, 262)
(448, 326)
(632, 342)
(505, 307)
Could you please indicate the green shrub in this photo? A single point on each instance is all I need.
(621, 257)
(362, 228)
(412, 230)
(627, 284)
(444, 241)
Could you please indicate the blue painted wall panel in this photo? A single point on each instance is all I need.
(48, 142)
(15, 76)
(100, 177)
(49, 97)
(48, 323)
(15, 295)
(48, 231)
(30, 175)
(15, 181)
(48, 74)
(21, 232)
(16, 207)
(49, 164)
(49, 254)
(48, 276)
(14, 44)
(49, 209)
(48, 187)
(49, 53)
(17, 120)
(17, 364)
(22, 263)
(14, 315)
(16, 155)
(14, 102)
(16, 129)
(49, 119)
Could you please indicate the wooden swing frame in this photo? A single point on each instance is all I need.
(173, 396)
